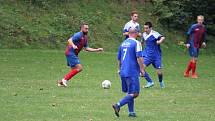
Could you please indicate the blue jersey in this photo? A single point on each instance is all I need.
(197, 35)
(128, 53)
(80, 40)
(129, 25)
(152, 49)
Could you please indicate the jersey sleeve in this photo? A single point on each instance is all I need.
(157, 35)
(190, 30)
(76, 37)
(126, 28)
(138, 49)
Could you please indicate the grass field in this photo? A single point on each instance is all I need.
(28, 90)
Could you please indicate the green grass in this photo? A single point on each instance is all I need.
(28, 90)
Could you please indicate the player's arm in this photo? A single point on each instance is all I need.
(119, 66)
(70, 42)
(204, 40)
(140, 62)
(161, 39)
(188, 36)
(93, 49)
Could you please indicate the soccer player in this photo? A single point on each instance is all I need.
(152, 53)
(196, 37)
(75, 44)
(130, 66)
(132, 24)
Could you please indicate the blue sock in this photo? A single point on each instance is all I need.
(125, 100)
(160, 77)
(131, 106)
(147, 77)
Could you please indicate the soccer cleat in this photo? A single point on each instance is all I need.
(149, 84)
(186, 74)
(194, 76)
(116, 109)
(132, 115)
(162, 85)
(62, 83)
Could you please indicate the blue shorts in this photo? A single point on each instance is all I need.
(130, 85)
(72, 59)
(194, 52)
(155, 61)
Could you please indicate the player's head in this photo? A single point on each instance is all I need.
(84, 28)
(200, 19)
(133, 32)
(147, 27)
(134, 16)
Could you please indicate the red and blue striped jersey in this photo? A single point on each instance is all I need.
(197, 35)
(80, 40)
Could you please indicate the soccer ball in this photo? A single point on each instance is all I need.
(106, 84)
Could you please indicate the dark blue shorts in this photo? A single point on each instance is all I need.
(130, 85)
(72, 59)
(155, 61)
(194, 52)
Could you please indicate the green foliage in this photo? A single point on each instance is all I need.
(180, 14)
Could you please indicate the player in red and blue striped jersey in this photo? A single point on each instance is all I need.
(75, 44)
(130, 66)
(152, 53)
(196, 37)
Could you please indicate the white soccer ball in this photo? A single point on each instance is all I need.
(106, 84)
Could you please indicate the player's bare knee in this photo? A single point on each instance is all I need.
(136, 95)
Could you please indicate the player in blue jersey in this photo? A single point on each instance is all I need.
(132, 24)
(75, 44)
(130, 67)
(196, 37)
(152, 53)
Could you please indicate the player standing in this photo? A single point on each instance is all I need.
(75, 44)
(132, 24)
(195, 39)
(152, 53)
(130, 66)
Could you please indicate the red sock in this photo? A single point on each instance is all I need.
(193, 67)
(72, 73)
(189, 67)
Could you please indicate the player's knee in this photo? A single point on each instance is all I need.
(136, 95)
(79, 68)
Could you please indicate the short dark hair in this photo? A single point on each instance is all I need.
(82, 24)
(148, 24)
(133, 12)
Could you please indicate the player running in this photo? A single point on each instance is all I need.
(132, 24)
(130, 66)
(152, 53)
(196, 37)
(75, 44)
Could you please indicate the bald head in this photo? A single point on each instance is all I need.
(133, 33)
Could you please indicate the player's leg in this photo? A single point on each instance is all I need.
(189, 65)
(76, 67)
(150, 83)
(125, 100)
(133, 90)
(194, 62)
(158, 66)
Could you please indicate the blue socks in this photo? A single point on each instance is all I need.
(127, 99)
(131, 106)
(160, 77)
(146, 76)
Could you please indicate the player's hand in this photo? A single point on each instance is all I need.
(75, 47)
(204, 45)
(158, 42)
(118, 71)
(100, 49)
(188, 45)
